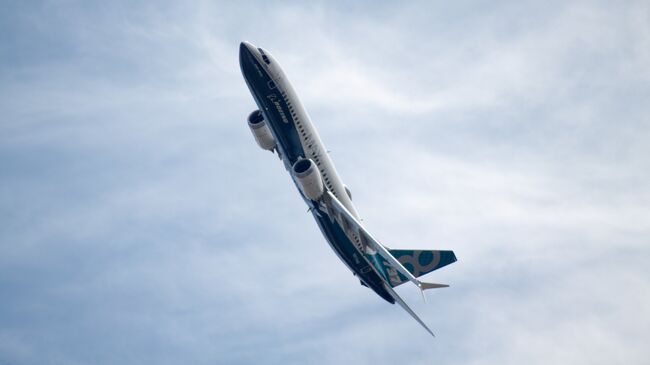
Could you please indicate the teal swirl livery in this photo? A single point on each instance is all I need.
(281, 125)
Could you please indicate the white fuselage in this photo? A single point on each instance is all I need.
(309, 138)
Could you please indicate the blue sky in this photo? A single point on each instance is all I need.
(142, 224)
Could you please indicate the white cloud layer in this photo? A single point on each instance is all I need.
(141, 224)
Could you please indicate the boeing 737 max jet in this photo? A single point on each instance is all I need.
(282, 125)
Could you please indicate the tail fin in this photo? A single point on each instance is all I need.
(418, 263)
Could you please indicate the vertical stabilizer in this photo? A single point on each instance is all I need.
(418, 263)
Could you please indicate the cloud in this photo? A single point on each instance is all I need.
(142, 224)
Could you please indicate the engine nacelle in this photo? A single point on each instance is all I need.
(261, 131)
(308, 178)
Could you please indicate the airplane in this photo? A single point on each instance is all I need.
(281, 125)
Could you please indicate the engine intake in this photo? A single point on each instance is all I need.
(308, 178)
(261, 131)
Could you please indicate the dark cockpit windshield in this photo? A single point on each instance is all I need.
(264, 56)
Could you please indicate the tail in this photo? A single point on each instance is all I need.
(391, 265)
(418, 263)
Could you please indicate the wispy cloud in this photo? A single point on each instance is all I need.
(141, 223)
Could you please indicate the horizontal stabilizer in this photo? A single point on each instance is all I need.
(425, 286)
(401, 302)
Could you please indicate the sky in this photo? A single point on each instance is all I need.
(140, 223)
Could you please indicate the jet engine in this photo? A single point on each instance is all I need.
(308, 178)
(261, 131)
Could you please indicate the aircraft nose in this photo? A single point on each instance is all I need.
(246, 58)
(245, 47)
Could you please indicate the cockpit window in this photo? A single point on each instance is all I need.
(264, 57)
